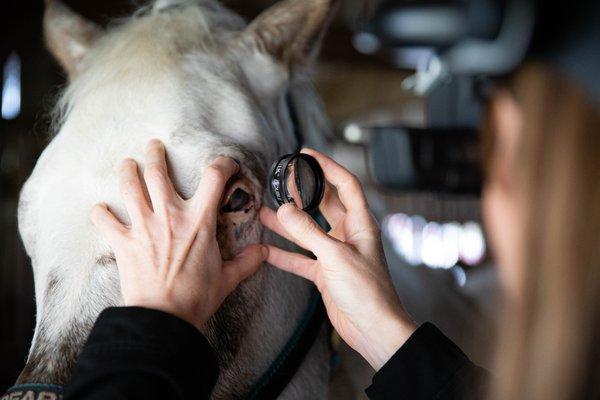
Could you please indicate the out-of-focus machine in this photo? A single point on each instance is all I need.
(455, 47)
(430, 167)
(455, 50)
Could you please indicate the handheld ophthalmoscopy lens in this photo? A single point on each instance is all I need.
(297, 178)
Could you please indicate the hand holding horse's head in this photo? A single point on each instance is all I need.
(194, 75)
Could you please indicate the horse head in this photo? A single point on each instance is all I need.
(195, 75)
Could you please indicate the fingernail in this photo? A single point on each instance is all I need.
(127, 163)
(229, 159)
(153, 142)
(264, 251)
(286, 209)
(238, 166)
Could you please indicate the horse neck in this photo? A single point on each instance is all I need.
(283, 301)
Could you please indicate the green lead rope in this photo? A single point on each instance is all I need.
(282, 370)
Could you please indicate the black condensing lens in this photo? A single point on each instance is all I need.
(297, 178)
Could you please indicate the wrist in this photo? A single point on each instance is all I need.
(386, 338)
(170, 308)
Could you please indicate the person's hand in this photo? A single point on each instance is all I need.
(350, 269)
(169, 258)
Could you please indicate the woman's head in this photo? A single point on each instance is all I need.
(542, 210)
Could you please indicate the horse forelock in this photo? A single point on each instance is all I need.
(148, 45)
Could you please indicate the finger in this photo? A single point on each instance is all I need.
(132, 192)
(109, 226)
(348, 186)
(304, 230)
(244, 264)
(210, 190)
(350, 193)
(294, 263)
(269, 219)
(331, 207)
(159, 184)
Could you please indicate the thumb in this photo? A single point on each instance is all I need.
(303, 229)
(244, 264)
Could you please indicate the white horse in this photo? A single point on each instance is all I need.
(193, 74)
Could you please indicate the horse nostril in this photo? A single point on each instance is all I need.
(239, 200)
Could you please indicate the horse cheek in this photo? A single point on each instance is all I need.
(237, 230)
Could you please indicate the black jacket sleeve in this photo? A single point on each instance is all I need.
(429, 366)
(138, 353)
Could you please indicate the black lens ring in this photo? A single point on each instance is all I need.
(277, 180)
(319, 181)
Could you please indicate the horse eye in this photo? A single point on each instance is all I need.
(238, 201)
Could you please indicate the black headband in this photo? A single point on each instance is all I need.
(567, 36)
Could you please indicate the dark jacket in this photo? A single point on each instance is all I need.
(137, 353)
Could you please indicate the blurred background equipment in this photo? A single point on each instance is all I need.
(454, 47)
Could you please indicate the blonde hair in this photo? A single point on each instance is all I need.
(549, 346)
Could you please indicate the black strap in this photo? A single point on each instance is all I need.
(287, 363)
(34, 391)
(295, 120)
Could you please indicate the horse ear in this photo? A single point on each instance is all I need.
(68, 35)
(291, 30)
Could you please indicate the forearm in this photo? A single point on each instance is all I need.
(137, 353)
(429, 366)
(383, 340)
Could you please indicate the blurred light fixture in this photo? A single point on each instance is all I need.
(442, 25)
(459, 275)
(366, 43)
(471, 244)
(11, 87)
(415, 57)
(434, 244)
(353, 133)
